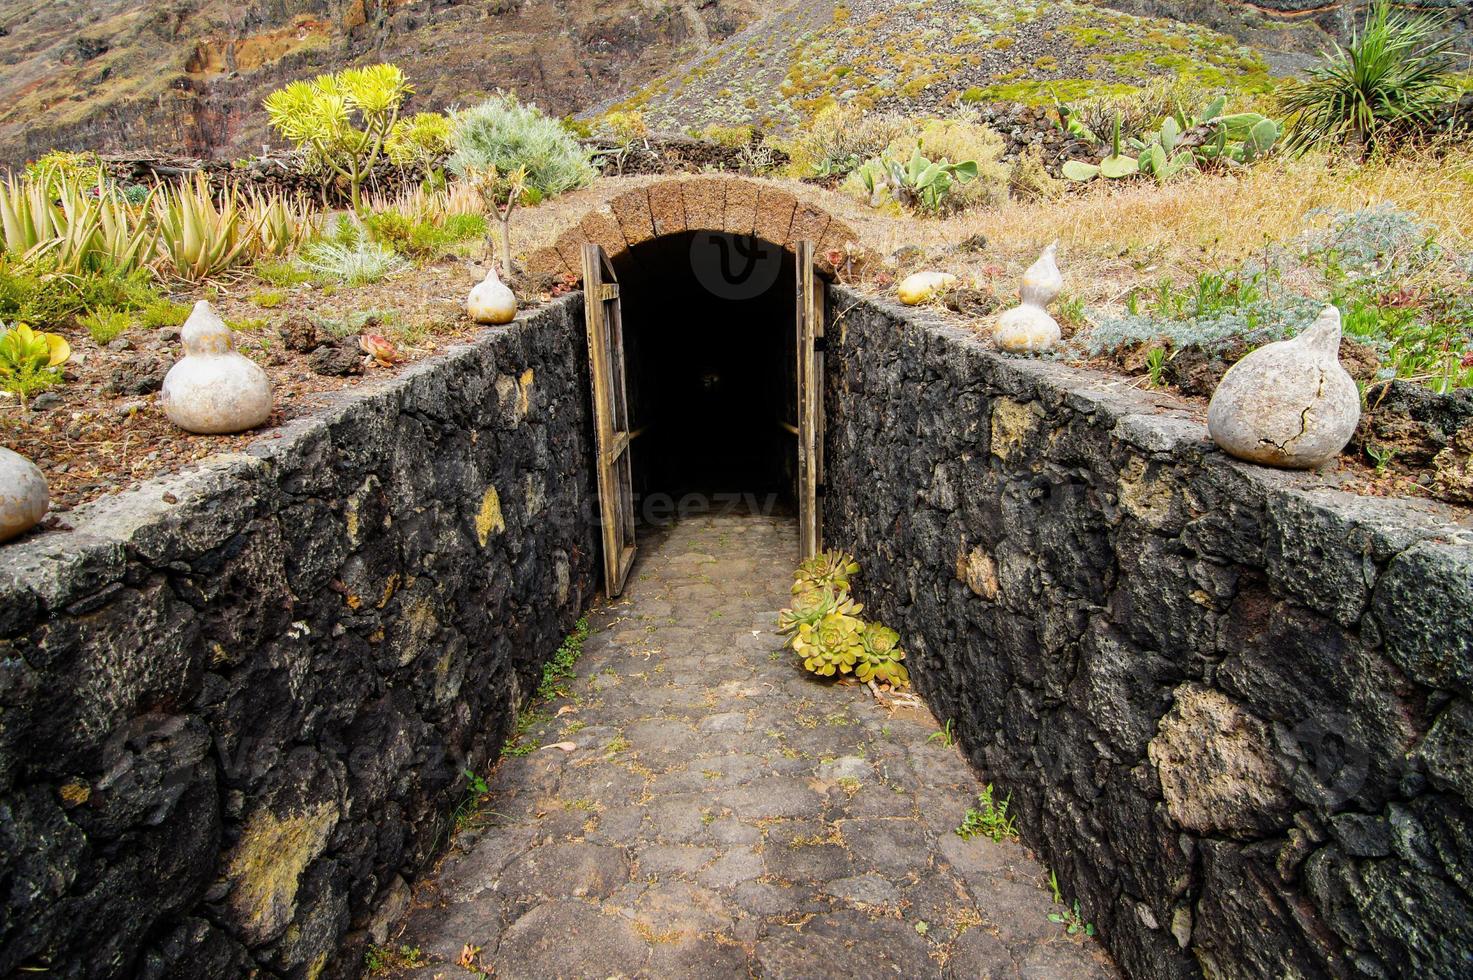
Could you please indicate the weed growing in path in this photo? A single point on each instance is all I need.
(991, 820)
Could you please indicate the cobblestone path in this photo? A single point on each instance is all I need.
(724, 814)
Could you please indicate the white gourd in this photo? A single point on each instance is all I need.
(491, 301)
(213, 389)
(24, 496)
(1028, 327)
(1289, 403)
(918, 287)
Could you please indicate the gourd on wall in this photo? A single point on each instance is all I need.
(214, 389)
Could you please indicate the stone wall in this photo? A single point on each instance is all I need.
(1231, 706)
(236, 705)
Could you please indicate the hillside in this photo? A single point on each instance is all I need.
(189, 75)
(923, 54)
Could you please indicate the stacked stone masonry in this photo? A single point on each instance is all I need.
(1232, 706)
(729, 205)
(236, 705)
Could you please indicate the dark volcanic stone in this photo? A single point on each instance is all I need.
(337, 359)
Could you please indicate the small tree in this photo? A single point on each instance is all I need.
(341, 121)
(502, 192)
(504, 134)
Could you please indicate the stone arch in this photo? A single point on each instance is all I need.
(728, 204)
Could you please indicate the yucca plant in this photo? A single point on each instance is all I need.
(1395, 70)
(198, 237)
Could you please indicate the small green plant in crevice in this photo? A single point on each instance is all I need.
(517, 744)
(560, 667)
(1072, 919)
(989, 818)
(1156, 367)
(946, 737)
(382, 959)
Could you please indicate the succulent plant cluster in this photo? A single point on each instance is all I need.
(824, 627)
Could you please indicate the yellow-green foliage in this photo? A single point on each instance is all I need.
(419, 140)
(731, 137)
(1030, 180)
(623, 126)
(824, 628)
(841, 132)
(958, 140)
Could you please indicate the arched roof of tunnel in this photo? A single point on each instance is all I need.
(722, 204)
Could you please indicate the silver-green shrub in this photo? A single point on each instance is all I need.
(505, 134)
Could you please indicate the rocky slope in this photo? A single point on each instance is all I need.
(189, 75)
(921, 55)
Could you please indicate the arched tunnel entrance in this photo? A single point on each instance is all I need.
(710, 372)
(705, 317)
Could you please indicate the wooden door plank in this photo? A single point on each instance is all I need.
(611, 417)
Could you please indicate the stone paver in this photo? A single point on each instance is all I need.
(724, 814)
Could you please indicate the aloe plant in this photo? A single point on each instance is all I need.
(199, 238)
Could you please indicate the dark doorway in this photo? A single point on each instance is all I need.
(710, 348)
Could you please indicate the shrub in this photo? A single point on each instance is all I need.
(505, 135)
(319, 118)
(1396, 70)
(623, 126)
(959, 139)
(841, 137)
(354, 265)
(419, 141)
(419, 239)
(1030, 179)
(104, 325)
(731, 137)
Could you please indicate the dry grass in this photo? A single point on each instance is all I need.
(1118, 236)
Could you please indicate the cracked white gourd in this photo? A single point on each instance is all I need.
(491, 301)
(213, 389)
(24, 496)
(1288, 403)
(1027, 328)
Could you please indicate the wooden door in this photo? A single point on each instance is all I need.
(810, 317)
(610, 416)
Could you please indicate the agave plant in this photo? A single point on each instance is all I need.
(199, 238)
(280, 225)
